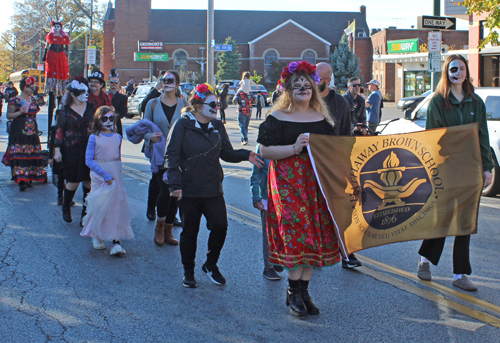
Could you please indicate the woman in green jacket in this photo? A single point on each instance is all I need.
(455, 103)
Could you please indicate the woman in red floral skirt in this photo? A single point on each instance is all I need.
(25, 151)
(300, 230)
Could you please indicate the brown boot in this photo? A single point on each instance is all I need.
(169, 238)
(159, 235)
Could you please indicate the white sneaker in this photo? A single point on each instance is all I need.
(117, 250)
(98, 244)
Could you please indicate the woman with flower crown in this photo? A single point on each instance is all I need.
(24, 149)
(194, 146)
(73, 127)
(300, 230)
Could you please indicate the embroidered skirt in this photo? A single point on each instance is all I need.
(299, 226)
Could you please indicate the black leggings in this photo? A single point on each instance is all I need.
(214, 210)
(222, 114)
(166, 205)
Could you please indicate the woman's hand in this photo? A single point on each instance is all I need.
(110, 182)
(255, 160)
(258, 205)
(301, 142)
(155, 137)
(25, 107)
(57, 155)
(487, 179)
(177, 194)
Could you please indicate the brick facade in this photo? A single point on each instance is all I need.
(364, 51)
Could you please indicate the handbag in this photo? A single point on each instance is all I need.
(6, 158)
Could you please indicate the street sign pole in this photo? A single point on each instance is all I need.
(434, 75)
(210, 38)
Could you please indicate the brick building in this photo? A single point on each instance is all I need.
(261, 37)
(406, 74)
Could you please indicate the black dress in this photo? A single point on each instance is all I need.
(24, 145)
(72, 136)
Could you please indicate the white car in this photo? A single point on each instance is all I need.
(415, 121)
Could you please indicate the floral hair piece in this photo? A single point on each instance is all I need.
(30, 80)
(77, 85)
(298, 67)
(201, 91)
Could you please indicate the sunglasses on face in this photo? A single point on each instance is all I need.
(104, 119)
(115, 82)
(168, 81)
(212, 104)
(356, 85)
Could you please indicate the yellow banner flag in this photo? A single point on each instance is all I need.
(394, 188)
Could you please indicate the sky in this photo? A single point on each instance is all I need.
(380, 13)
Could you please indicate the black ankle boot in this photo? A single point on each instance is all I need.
(310, 305)
(295, 302)
(66, 206)
(84, 209)
(22, 186)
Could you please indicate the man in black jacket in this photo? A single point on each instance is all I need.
(356, 105)
(341, 114)
(118, 100)
(337, 105)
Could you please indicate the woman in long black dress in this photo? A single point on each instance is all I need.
(72, 135)
(24, 143)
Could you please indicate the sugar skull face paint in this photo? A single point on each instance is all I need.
(169, 82)
(457, 71)
(57, 28)
(83, 97)
(302, 89)
(207, 109)
(108, 121)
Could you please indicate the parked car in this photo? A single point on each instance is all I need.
(188, 87)
(135, 99)
(263, 90)
(233, 87)
(411, 102)
(415, 121)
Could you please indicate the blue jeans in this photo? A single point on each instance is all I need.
(244, 121)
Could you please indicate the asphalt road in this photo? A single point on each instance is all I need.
(54, 287)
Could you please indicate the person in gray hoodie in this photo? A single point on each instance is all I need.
(164, 111)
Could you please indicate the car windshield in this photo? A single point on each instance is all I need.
(422, 111)
(262, 88)
(492, 104)
(143, 90)
(187, 86)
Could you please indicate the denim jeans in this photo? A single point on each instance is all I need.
(265, 242)
(244, 121)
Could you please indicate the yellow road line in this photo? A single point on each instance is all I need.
(465, 297)
(439, 299)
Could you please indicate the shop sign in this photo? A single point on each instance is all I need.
(402, 46)
(148, 46)
(150, 57)
(435, 62)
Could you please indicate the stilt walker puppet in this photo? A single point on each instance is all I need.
(56, 65)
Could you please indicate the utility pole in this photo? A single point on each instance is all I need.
(434, 75)
(210, 43)
(14, 53)
(91, 17)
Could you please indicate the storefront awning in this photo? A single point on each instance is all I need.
(418, 57)
(490, 51)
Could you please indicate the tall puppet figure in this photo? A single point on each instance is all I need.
(56, 65)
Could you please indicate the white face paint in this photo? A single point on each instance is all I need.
(57, 28)
(83, 97)
(168, 86)
(302, 89)
(208, 111)
(108, 125)
(457, 71)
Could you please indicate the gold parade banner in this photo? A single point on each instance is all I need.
(394, 188)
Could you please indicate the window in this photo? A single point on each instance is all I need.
(422, 111)
(309, 56)
(180, 59)
(269, 57)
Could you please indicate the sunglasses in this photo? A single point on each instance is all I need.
(212, 104)
(105, 119)
(168, 81)
(113, 81)
(356, 85)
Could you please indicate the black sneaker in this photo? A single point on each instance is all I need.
(151, 215)
(271, 274)
(214, 274)
(352, 263)
(177, 222)
(189, 280)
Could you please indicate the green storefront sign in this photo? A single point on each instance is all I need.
(150, 57)
(402, 46)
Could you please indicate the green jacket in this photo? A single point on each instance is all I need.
(470, 110)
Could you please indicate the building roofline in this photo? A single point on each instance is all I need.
(289, 21)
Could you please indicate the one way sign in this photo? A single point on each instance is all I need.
(436, 23)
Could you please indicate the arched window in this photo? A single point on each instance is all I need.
(309, 56)
(269, 57)
(180, 59)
